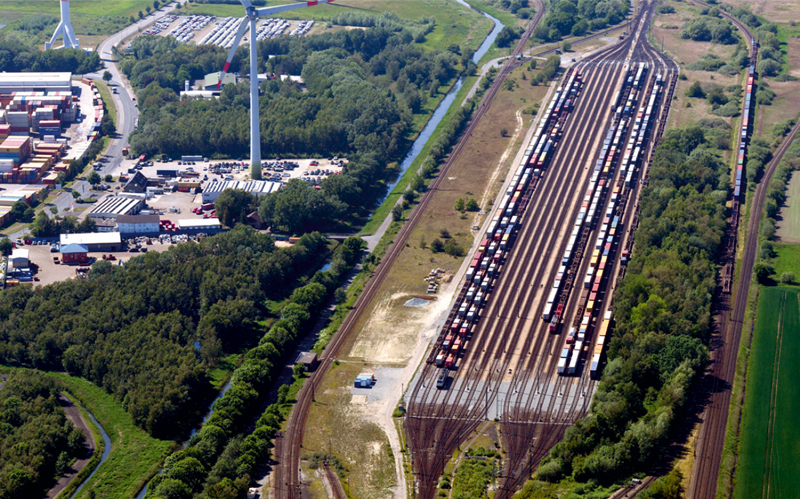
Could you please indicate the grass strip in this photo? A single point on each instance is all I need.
(99, 448)
(385, 208)
(135, 456)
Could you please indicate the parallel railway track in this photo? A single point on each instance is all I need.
(285, 481)
(537, 405)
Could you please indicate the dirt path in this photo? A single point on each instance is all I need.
(75, 416)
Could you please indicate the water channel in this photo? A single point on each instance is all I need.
(106, 452)
(444, 106)
(416, 149)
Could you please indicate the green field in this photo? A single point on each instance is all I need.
(94, 18)
(455, 24)
(135, 455)
(769, 448)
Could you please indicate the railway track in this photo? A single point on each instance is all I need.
(509, 362)
(717, 384)
(285, 482)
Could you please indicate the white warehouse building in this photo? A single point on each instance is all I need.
(212, 190)
(35, 82)
(138, 224)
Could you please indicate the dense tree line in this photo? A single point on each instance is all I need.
(149, 332)
(520, 8)
(16, 56)
(710, 29)
(663, 318)
(776, 197)
(576, 18)
(37, 442)
(419, 29)
(220, 459)
(349, 107)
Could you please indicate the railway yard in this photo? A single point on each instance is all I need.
(524, 340)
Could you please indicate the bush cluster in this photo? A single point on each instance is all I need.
(663, 318)
(221, 458)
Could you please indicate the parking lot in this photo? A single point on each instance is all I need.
(220, 31)
(49, 272)
(311, 170)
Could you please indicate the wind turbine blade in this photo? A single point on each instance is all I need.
(277, 9)
(239, 34)
(246, 3)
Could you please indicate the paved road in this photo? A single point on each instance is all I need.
(76, 418)
(127, 111)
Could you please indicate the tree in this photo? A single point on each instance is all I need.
(768, 67)
(566, 46)
(141, 15)
(504, 132)
(437, 245)
(444, 233)
(422, 243)
(397, 213)
(94, 178)
(109, 178)
(233, 206)
(696, 91)
(107, 76)
(460, 206)
(75, 194)
(472, 205)
(6, 246)
(148, 9)
(340, 295)
(507, 36)
(107, 126)
(787, 277)
(762, 271)
(28, 215)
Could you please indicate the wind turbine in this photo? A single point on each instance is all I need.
(251, 17)
(64, 28)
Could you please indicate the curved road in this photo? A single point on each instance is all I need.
(127, 112)
(76, 418)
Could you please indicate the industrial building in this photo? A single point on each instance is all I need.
(138, 224)
(74, 253)
(199, 225)
(137, 184)
(114, 206)
(94, 241)
(35, 82)
(212, 190)
(19, 258)
(211, 80)
(200, 94)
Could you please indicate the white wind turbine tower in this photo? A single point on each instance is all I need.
(64, 29)
(253, 14)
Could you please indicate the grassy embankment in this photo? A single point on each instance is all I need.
(334, 421)
(92, 20)
(455, 24)
(135, 456)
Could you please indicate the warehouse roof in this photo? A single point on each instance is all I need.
(198, 223)
(91, 238)
(74, 248)
(138, 219)
(252, 186)
(114, 206)
(34, 80)
(20, 253)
